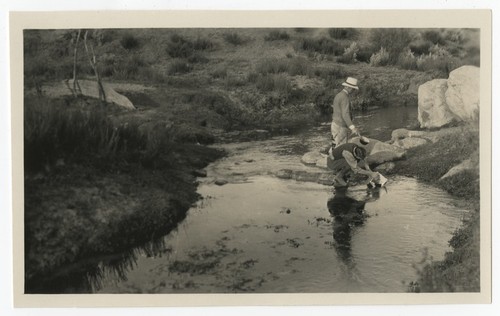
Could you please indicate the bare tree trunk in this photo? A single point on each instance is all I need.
(93, 64)
(75, 80)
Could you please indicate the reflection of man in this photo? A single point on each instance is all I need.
(347, 158)
(347, 212)
(342, 116)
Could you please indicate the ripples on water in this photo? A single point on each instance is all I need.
(261, 234)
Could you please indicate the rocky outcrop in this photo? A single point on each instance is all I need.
(432, 108)
(442, 101)
(88, 88)
(462, 95)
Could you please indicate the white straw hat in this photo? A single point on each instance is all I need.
(351, 82)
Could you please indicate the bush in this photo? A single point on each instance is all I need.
(393, 40)
(434, 36)
(294, 67)
(408, 61)
(179, 47)
(234, 39)
(350, 54)
(277, 36)
(331, 75)
(219, 72)
(128, 41)
(202, 44)
(321, 45)
(364, 53)
(277, 83)
(381, 58)
(343, 33)
(420, 47)
(272, 65)
(179, 66)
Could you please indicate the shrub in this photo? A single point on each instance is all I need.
(202, 44)
(343, 33)
(128, 41)
(197, 58)
(294, 67)
(219, 72)
(272, 65)
(233, 38)
(394, 41)
(350, 54)
(278, 83)
(331, 75)
(407, 60)
(364, 53)
(321, 45)
(179, 66)
(299, 67)
(381, 58)
(179, 47)
(434, 36)
(420, 47)
(277, 36)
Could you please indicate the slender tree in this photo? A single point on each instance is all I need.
(76, 86)
(93, 63)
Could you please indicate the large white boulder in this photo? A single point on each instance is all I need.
(433, 110)
(462, 95)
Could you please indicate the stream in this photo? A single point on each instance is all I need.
(255, 232)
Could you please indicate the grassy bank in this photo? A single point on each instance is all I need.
(459, 271)
(94, 186)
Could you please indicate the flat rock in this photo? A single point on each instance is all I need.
(410, 142)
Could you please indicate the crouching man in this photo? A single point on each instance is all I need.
(346, 159)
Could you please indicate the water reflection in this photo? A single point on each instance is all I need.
(348, 214)
(87, 275)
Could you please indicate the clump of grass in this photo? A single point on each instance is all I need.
(276, 35)
(179, 66)
(203, 44)
(350, 54)
(129, 42)
(179, 47)
(343, 33)
(272, 82)
(219, 72)
(53, 131)
(393, 40)
(322, 45)
(381, 58)
(234, 38)
(459, 271)
(292, 66)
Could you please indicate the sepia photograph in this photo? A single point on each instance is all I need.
(211, 158)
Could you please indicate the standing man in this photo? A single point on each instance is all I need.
(342, 116)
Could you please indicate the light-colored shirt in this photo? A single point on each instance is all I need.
(342, 110)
